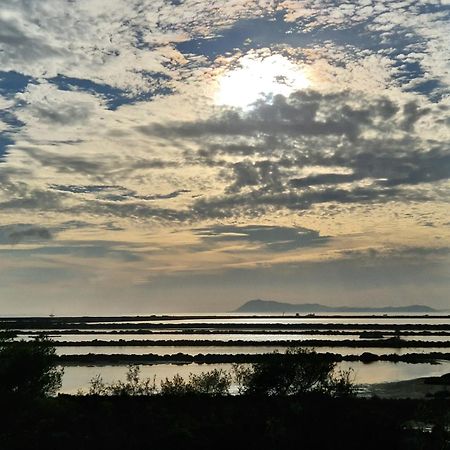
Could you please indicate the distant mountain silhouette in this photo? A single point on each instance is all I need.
(269, 306)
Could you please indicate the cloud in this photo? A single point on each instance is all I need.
(18, 233)
(115, 193)
(413, 254)
(352, 149)
(32, 199)
(292, 117)
(273, 238)
(66, 163)
(19, 43)
(110, 129)
(306, 113)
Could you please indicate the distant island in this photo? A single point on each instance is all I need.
(270, 306)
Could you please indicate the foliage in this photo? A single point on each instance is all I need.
(214, 382)
(176, 386)
(133, 385)
(28, 368)
(296, 372)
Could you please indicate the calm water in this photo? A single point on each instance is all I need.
(78, 377)
(226, 350)
(217, 336)
(444, 320)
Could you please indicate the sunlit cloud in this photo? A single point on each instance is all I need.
(255, 78)
(162, 141)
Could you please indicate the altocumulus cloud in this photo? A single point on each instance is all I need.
(350, 148)
(272, 238)
(17, 233)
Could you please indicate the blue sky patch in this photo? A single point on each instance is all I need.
(13, 82)
(269, 31)
(5, 141)
(432, 88)
(114, 97)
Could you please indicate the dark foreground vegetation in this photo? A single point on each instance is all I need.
(205, 422)
(295, 400)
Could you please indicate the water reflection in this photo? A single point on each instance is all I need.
(229, 350)
(78, 377)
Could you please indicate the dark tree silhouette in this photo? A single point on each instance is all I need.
(28, 368)
(296, 372)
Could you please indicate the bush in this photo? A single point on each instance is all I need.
(28, 368)
(133, 385)
(214, 382)
(175, 386)
(297, 372)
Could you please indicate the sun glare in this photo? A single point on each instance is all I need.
(258, 78)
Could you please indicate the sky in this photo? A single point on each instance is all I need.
(190, 155)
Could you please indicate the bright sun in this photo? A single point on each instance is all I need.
(257, 78)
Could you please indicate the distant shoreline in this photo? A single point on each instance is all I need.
(232, 316)
(271, 306)
(183, 358)
(364, 343)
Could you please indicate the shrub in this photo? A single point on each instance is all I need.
(28, 368)
(133, 385)
(296, 372)
(214, 382)
(175, 386)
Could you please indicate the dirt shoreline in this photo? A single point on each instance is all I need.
(418, 388)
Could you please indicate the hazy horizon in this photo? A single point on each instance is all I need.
(184, 156)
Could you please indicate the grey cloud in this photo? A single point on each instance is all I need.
(416, 252)
(154, 163)
(115, 193)
(14, 234)
(297, 115)
(251, 204)
(308, 129)
(24, 233)
(83, 189)
(326, 178)
(128, 194)
(262, 173)
(255, 203)
(276, 239)
(305, 114)
(133, 210)
(94, 167)
(18, 45)
(388, 163)
(63, 113)
(410, 253)
(66, 164)
(33, 199)
(81, 251)
(313, 129)
(411, 114)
